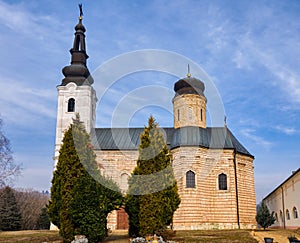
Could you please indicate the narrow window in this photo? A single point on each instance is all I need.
(287, 214)
(280, 215)
(71, 105)
(190, 113)
(201, 115)
(276, 217)
(190, 179)
(178, 115)
(295, 213)
(222, 181)
(124, 182)
(77, 43)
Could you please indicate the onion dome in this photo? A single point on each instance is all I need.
(189, 85)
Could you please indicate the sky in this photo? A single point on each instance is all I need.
(250, 50)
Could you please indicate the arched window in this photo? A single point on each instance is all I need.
(295, 213)
(222, 178)
(77, 43)
(287, 213)
(190, 179)
(71, 105)
(276, 217)
(280, 215)
(124, 182)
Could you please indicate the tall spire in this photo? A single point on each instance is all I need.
(78, 72)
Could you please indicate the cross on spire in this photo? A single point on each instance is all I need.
(80, 11)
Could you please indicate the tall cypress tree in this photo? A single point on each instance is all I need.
(77, 192)
(153, 194)
(10, 215)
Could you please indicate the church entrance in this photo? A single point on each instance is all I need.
(122, 219)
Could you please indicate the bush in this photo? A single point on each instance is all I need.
(263, 217)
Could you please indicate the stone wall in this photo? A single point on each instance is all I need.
(205, 206)
(189, 110)
(211, 207)
(246, 191)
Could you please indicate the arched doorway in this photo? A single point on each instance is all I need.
(122, 219)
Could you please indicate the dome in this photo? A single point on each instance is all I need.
(189, 85)
(80, 26)
(76, 70)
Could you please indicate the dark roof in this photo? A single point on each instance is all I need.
(129, 138)
(291, 176)
(189, 85)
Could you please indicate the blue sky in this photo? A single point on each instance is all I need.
(249, 49)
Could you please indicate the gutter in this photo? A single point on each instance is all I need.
(236, 189)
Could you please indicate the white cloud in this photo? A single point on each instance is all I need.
(286, 130)
(272, 47)
(249, 133)
(22, 104)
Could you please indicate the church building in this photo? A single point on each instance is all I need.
(214, 171)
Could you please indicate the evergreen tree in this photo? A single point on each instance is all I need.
(152, 194)
(43, 221)
(263, 217)
(10, 215)
(79, 202)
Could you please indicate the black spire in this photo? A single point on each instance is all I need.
(78, 72)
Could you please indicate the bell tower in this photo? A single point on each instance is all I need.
(75, 93)
(189, 103)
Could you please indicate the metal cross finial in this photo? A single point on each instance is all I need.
(80, 9)
(188, 74)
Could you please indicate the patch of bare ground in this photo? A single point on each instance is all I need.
(32, 236)
(214, 236)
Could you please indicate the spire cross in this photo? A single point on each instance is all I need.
(188, 74)
(80, 11)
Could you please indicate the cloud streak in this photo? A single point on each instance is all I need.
(258, 140)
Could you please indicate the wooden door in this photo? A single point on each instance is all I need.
(122, 219)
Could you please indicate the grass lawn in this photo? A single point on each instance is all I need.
(211, 236)
(214, 236)
(30, 236)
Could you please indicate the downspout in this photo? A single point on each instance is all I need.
(236, 189)
(283, 208)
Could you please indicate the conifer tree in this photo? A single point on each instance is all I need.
(263, 217)
(10, 215)
(43, 221)
(78, 203)
(152, 194)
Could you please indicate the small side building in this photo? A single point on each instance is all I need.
(284, 201)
